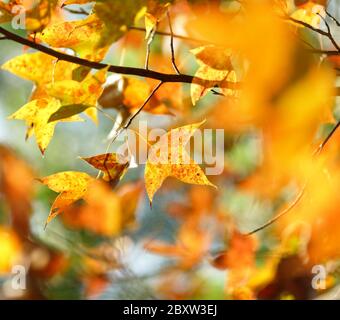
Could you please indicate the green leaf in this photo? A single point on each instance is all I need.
(67, 111)
(80, 73)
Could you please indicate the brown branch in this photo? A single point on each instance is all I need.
(128, 123)
(130, 120)
(173, 59)
(327, 33)
(281, 214)
(164, 77)
(305, 24)
(81, 11)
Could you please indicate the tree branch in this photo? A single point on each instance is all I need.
(306, 25)
(327, 33)
(164, 77)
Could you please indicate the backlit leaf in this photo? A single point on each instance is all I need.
(165, 161)
(37, 114)
(111, 164)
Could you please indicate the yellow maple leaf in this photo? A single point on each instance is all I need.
(214, 66)
(39, 68)
(82, 36)
(71, 187)
(36, 114)
(91, 37)
(86, 92)
(168, 157)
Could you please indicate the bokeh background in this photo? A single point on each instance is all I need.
(74, 261)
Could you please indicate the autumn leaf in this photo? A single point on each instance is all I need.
(71, 187)
(39, 68)
(37, 114)
(91, 37)
(268, 73)
(215, 67)
(84, 93)
(156, 12)
(160, 164)
(83, 36)
(112, 165)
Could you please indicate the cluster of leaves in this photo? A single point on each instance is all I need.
(271, 81)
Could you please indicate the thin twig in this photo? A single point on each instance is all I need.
(329, 33)
(80, 11)
(132, 117)
(282, 213)
(328, 138)
(213, 91)
(302, 192)
(337, 22)
(129, 121)
(105, 114)
(305, 24)
(173, 59)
